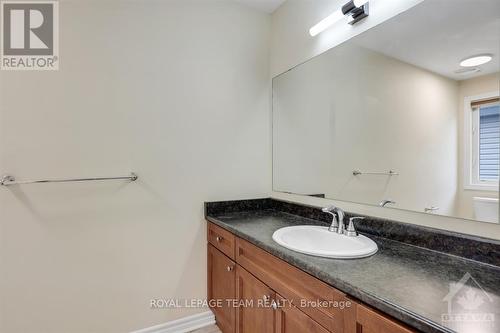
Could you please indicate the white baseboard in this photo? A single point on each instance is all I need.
(183, 325)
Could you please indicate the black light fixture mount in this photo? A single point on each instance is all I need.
(356, 11)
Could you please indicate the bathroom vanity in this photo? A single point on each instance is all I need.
(250, 273)
(264, 287)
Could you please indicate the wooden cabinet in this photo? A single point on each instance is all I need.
(262, 310)
(371, 321)
(221, 288)
(258, 292)
(289, 319)
(305, 291)
(255, 312)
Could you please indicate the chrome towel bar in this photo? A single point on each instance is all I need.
(388, 173)
(7, 180)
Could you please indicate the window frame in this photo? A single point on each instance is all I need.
(471, 140)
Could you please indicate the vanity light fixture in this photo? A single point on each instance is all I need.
(356, 9)
(477, 60)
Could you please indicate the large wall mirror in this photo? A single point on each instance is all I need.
(395, 118)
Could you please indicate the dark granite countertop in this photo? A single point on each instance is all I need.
(408, 282)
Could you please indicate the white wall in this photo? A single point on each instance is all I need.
(292, 45)
(177, 91)
(406, 120)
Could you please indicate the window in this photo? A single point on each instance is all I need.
(483, 148)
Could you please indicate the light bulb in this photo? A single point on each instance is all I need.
(476, 60)
(326, 23)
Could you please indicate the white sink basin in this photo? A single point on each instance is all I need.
(318, 241)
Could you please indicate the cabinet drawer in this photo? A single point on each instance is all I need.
(303, 290)
(221, 239)
(370, 321)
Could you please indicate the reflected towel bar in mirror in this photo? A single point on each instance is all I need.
(7, 180)
(388, 173)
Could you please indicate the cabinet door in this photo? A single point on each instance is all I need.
(293, 284)
(289, 319)
(369, 321)
(221, 288)
(254, 313)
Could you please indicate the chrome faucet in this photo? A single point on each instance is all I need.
(338, 222)
(338, 219)
(386, 202)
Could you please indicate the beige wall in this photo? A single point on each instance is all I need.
(405, 120)
(177, 91)
(467, 88)
(292, 45)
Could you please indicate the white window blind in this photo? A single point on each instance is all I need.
(489, 141)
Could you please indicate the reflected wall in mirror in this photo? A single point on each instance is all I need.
(391, 117)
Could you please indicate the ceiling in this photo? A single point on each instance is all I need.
(267, 6)
(438, 34)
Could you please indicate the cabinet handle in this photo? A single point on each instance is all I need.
(218, 239)
(230, 268)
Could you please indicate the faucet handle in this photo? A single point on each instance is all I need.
(334, 227)
(351, 230)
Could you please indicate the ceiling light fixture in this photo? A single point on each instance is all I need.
(356, 9)
(476, 60)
